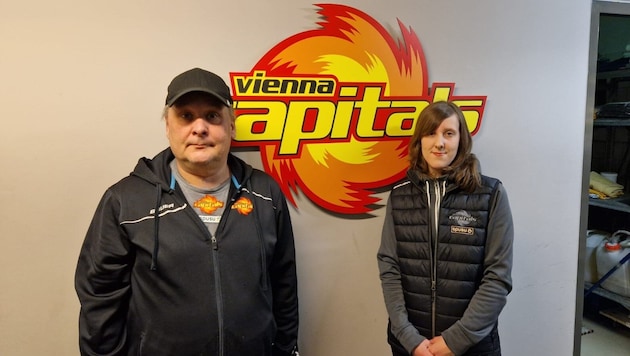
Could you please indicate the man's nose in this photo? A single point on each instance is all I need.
(200, 126)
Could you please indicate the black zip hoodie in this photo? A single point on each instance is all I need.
(152, 281)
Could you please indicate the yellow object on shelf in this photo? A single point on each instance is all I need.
(604, 185)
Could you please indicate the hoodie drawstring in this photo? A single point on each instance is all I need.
(156, 222)
(259, 233)
(263, 255)
(156, 227)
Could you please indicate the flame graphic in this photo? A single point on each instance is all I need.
(350, 45)
(243, 206)
(208, 204)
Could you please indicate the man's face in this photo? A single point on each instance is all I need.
(199, 130)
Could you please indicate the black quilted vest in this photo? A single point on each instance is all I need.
(463, 220)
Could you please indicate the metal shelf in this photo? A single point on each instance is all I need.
(625, 301)
(614, 74)
(618, 204)
(603, 121)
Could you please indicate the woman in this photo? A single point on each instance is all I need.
(445, 258)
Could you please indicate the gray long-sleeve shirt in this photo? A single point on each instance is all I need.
(481, 315)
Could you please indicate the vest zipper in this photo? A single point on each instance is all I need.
(435, 209)
(433, 309)
(432, 252)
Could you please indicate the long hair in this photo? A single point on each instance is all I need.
(464, 170)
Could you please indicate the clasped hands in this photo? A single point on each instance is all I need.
(433, 347)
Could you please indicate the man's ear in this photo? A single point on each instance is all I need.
(166, 127)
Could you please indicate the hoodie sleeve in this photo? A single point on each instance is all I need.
(390, 277)
(284, 283)
(483, 311)
(102, 282)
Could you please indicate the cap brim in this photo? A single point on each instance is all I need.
(203, 90)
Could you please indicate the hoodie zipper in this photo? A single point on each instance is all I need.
(219, 293)
(217, 281)
(217, 271)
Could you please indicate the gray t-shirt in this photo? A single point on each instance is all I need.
(208, 203)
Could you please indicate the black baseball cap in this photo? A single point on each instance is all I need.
(197, 79)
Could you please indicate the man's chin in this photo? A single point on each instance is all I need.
(203, 160)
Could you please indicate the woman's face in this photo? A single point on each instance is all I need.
(439, 148)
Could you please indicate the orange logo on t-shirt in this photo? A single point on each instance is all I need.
(243, 206)
(208, 204)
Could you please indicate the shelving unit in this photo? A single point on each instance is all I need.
(609, 152)
(612, 85)
(620, 315)
(617, 158)
(613, 207)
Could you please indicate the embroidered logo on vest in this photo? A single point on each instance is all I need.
(462, 219)
(462, 230)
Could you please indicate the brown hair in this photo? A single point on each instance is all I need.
(464, 170)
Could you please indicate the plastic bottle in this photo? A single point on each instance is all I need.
(608, 255)
(594, 238)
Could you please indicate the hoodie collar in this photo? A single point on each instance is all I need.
(156, 170)
(419, 179)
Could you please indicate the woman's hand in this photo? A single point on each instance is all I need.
(438, 347)
(423, 349)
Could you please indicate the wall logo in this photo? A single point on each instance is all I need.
(332, 109)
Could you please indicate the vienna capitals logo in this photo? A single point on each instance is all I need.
(332, 109)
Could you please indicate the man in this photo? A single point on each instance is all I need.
(193, 253)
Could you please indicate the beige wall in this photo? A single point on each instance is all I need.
(81, 88)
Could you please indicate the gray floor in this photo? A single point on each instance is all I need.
(608, 337)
